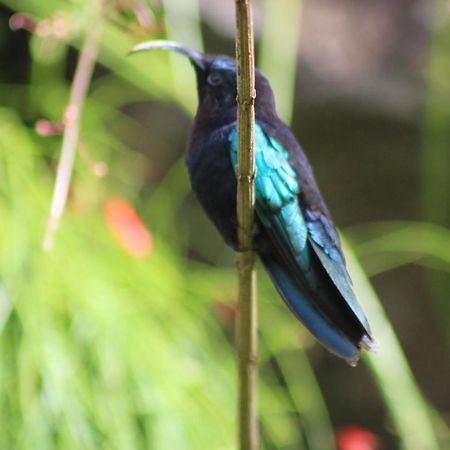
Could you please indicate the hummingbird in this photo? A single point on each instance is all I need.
(294, 235)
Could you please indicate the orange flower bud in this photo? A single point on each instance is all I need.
(127, 228)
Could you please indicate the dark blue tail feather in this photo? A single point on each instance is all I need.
(303, 307)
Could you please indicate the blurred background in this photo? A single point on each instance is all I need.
(120, 335)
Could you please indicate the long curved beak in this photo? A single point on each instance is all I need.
(196, 58)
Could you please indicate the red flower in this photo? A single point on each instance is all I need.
(127, 228)
(356, 438)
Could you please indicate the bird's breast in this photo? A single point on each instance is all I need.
(213, 180)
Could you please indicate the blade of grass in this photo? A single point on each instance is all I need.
(278, 51)
(435, 182)
(436, 130)
(415, 238)
(407, 408)
(183, 25)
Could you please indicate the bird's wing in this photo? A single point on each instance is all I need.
(321, 231)
(276, 192)
(299, 230)
(326, 247)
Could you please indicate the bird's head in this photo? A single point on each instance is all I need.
(216, 79)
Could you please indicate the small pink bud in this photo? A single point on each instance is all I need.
(100, 169)
(20, 21)
(144, 15)
(46, 128)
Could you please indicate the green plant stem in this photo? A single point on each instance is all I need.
(80, 85)
(246, 328)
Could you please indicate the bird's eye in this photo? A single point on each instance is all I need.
(214, 79)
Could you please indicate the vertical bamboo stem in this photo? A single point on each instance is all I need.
(246, 329)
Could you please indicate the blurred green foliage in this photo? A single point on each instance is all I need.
(101, 350)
